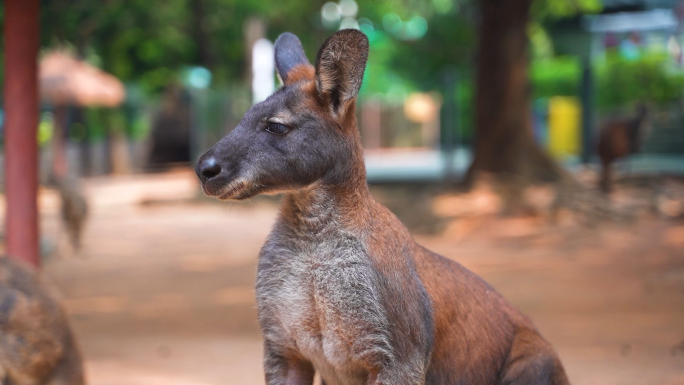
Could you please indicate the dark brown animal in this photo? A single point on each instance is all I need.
(36, 343)
(342, 287)
(618, 139)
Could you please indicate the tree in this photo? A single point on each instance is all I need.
(149, 43)
(504, 144)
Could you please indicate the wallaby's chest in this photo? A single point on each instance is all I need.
(322, 299)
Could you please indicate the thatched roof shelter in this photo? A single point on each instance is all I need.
(65, 80)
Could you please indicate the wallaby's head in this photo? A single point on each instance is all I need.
(304, 133)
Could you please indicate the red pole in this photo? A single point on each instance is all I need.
(21, 122)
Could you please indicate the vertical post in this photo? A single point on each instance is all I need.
(59, 159)
(21, 111)
(371, 124)
(449, 122)
(586, 94)
(197, 106)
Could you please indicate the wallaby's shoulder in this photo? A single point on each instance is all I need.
(395, 252)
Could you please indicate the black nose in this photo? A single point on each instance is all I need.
(208, 168)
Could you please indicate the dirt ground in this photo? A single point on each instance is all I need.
(162, 292)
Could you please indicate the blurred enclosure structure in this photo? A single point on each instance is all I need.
(161, 291)
(188, 73)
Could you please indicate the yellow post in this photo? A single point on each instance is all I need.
(564, 126)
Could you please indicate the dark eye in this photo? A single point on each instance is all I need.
(277, 128)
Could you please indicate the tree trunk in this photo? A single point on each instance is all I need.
(504, 144)
(206, 57)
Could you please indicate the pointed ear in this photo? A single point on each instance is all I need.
(289, 54)
(340, 65)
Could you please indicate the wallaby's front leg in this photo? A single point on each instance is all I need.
(4, 379)
(300, 374)
(373, 379)
(282, 370)
(405, 373)
(400, 374)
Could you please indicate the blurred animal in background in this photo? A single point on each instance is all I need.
(74, 209)
(37, 346)
(171, 130)
(342, 287)
(620, 138)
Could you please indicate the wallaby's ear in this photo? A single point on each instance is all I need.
(340, 65)
(289, 54)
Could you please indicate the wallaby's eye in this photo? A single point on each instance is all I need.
(277, 128)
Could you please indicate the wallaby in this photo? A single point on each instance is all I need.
(74, 209)
(619, 138)
(342, 288)
(37, 346)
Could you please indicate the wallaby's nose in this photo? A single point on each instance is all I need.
(207, 169)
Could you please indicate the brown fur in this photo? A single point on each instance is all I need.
(37, 346)
(300, 73)
(618, 139)
(342, 287)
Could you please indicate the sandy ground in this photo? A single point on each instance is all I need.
(162, 292)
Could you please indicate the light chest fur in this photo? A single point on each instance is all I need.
(318, 295)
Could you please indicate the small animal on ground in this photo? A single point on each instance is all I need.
(342, 287)
(74, 209)
(618, 139)
(37, 346)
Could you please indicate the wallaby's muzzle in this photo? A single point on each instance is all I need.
(207, 169)
(217, 178)
(211, 174)
(224, 169)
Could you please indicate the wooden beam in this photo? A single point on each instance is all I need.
(21, 122)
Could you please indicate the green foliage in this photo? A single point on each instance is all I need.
(540, 41)
(554, 9)
(449, 42)
(150, 42)
(381, 81)
(648, 78)
(96, 121)
(465, 99)
(619, 82)
(559, 76)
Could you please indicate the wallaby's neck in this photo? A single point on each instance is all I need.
(341, 198)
